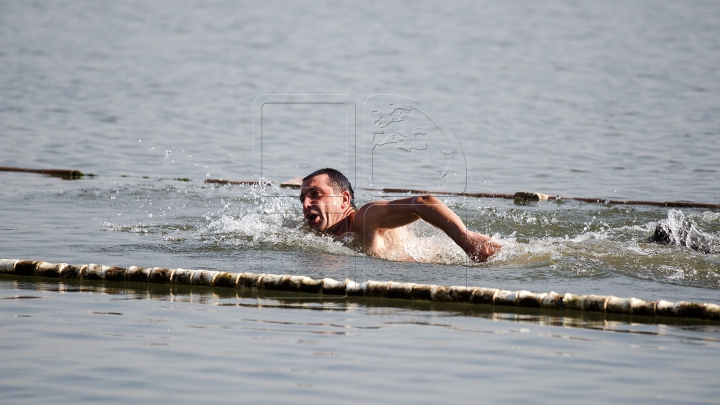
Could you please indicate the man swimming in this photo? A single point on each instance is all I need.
(328, 204)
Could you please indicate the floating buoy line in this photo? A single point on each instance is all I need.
(370, 288)
(520, 197)
(62, 173)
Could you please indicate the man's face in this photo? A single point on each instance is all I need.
(321, 206)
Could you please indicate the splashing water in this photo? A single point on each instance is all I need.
(682, 230)
(268, 218)
(275, 220)
(545, 242)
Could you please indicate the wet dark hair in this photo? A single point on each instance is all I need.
(338, 182)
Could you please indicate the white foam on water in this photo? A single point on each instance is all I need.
(582, 240)
(426, 244)
(268, 218)
(685, 230)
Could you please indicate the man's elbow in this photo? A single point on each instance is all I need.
(427, 200)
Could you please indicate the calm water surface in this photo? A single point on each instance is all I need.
(71, 343)
(574, 99)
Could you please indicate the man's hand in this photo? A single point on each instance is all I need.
(480, 247)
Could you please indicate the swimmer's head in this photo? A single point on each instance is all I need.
(337, 181)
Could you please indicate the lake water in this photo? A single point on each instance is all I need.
(572, 99)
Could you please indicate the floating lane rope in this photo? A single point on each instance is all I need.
(524, 197)
(385, 289)
(520, 197)
(62, 173)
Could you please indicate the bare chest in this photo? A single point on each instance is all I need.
(386, 244)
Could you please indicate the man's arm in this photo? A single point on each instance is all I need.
(379, 215)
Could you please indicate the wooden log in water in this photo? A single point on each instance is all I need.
(524, 197)
(384, 289)
(293, 183)
(159, 275)
(62, 173)
(670, 204)
(520, 197)
(413, 191)
(233, 182)
(595, 303)
(505, 297)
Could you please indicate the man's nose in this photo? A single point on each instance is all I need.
(305, 202)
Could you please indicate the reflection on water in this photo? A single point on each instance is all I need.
(260, 298)
(263, 344)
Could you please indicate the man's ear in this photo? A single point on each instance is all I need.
(345, 199)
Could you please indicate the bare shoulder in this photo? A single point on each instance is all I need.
(380, 215)
(365, 216)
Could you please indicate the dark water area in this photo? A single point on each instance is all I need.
(69, 343)
(612, 100)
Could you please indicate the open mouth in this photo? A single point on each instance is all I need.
(311, 217)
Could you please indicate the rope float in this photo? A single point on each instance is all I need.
(520, 197)
(62, 173)
(524, 197)
(385, 289)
